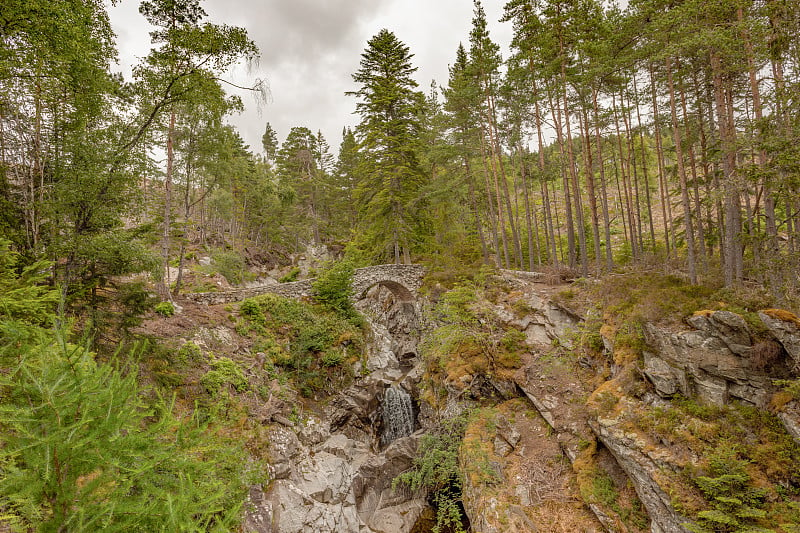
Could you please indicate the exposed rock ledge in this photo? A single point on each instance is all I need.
(331, 483)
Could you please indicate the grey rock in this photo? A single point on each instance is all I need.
(790, 416)
(640, 469)
(661, 374)
(787, 333)
(711, 361)
(313, 432)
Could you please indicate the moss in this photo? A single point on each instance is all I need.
(605, 398)
(779, 400)
(782, 314)
(790, 386)
(477, 457)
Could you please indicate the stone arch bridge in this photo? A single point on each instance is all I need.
(403, 280)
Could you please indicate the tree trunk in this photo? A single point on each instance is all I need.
(165, 238)
(603, 185)
(666, 211)
(731, 241)
(687, 216)
(556, 112)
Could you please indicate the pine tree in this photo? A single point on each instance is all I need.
(391, 175)
(270, 143)
(183, 69)
(299, 170)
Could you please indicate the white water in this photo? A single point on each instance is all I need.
(398, 415)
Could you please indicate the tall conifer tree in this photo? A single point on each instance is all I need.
(389, 105)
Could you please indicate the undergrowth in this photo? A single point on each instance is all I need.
(316, 345)
(748, 476)
(469, 339)
(436, 471)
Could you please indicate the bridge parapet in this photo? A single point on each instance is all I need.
(403, 280)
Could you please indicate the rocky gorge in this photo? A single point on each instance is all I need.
(582, 432)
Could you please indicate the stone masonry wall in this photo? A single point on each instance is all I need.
(403, 280)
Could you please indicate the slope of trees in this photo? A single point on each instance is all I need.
(662, 131)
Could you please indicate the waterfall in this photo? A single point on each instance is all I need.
(398, 415)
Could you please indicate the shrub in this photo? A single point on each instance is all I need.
(165, 309)
(765, 355)
(189, 352)
(736, 506)
(436, 469)
(134, 301)
(790, 386)
(224, 371)
(231, 265)
(290, 276)
(307, 340)
(333, 286)
(332, 358)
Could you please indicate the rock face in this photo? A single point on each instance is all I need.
(786, 331)
(711, 362)
(642, 464)
(530, 484)
(334, 485)
(546, 322)
(331, 474)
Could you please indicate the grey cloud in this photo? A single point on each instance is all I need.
(310, 48)
(298, 31)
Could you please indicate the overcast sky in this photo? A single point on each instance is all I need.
(310, 49)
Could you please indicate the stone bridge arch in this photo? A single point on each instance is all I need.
(402, 280)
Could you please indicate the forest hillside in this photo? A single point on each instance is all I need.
(588, 314)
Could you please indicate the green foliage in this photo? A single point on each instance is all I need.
(333, 358)
(82, 452)
(436, 469)
(165, 309)
(747, 456)
(188, 353)
(114, 254)
(791, 386)
(387, 195)
(638, 297)
(589, 335)
(333, 288)
(23, 297)
(134, 300)
(600, 490)
(736, 504)
(469, 338)
(290, 276)
(224, 373)
(231, 265)
(312, 342)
